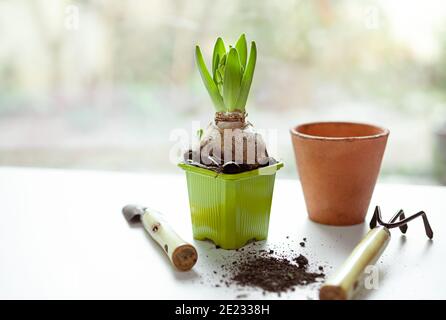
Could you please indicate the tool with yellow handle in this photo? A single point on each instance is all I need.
(345, 282)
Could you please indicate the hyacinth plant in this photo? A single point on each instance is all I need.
(230, 141)
(232, 73)
(226, 207)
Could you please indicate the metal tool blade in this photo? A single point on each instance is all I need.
(132, 213)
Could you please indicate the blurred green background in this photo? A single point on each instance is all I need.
(101, 84)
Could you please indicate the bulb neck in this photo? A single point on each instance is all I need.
(230, 120)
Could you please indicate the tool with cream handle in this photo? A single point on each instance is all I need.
(344, 283)
(182, 254)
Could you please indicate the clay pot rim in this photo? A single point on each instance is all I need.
(294, 131)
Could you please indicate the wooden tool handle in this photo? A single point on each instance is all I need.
(182, 254)
(344, 282)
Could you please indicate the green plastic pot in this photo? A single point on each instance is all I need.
(230, 209)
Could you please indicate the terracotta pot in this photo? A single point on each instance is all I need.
(439, 155)
(338, 164)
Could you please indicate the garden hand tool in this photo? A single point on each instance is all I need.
(182, 254)
(345, 282)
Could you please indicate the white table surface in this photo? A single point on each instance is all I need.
(62, 235)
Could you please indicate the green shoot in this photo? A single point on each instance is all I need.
(200, 133)
(232, 74)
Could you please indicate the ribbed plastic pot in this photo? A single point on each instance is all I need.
(230, 209)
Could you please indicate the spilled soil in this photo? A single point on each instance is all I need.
(270, 270)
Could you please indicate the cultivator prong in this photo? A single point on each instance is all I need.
(402, 223)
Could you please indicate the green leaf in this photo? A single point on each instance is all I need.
(200, 133)
(218, 78)
(219, 74)
(242, 50)
(232, 80)
(222, 61)
(214, 73)
(219, 52)
(247, 77)
(208, 81)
